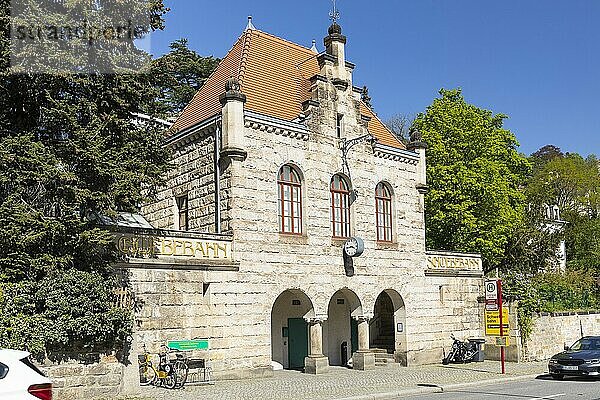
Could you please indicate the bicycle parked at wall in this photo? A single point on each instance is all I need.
(168, 374)
(461, 352)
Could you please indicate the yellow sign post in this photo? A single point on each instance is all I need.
(492, 322)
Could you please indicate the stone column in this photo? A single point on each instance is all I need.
(363, 359)
(363, 334)
(316, 338)
(316, 362)
(130, 384)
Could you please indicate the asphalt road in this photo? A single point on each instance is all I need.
(541, 388)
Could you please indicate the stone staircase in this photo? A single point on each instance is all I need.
(383, 358)
(383, 345)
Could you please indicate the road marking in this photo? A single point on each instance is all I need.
(550, 396)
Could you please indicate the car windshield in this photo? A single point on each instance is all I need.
(586, 344)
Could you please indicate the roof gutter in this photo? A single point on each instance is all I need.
(217, 172)
(171, 140)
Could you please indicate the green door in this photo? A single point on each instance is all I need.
(297, 342)
(353, 336)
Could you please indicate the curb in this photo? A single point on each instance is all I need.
(437, 388)
(396, 394)
(451, 386)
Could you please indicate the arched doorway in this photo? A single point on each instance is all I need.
(289, 329)
(340, 331)
(387, 329)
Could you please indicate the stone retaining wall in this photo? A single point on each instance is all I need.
(73, 380)
(551, 332)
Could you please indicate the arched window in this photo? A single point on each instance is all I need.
(340, 207)
(383, 212)
(290, 200)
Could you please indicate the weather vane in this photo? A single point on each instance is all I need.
(335, 14)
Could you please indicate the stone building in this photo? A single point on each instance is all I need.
(291, 229)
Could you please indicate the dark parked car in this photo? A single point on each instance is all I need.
(581, 359)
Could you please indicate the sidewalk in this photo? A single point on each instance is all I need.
(341, 383)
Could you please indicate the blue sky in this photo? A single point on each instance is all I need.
(538, 61)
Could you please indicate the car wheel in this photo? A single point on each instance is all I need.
(558, 377)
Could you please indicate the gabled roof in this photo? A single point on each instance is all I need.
(274, 75)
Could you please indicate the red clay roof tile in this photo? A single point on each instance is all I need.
(274, 75)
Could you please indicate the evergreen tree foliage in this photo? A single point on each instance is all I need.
(177, 76)
(474, 173)
(69, 151)
(544, 155)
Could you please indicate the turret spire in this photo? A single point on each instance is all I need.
(314, 47)
(250, 24)
(334, 15)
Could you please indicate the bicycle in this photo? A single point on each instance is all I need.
(146, 370)
(164, 375)
(180, 370)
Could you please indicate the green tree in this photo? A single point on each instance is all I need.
(583, 245)
(532, 246)
(571, 182)
(69, 150)
(81, 36)
(544, 155)
(177, 76)
(474, 174)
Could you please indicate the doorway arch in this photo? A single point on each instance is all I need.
(289, 328)
(340, 331)
(387, 329)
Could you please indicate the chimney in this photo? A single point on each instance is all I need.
(232, 120)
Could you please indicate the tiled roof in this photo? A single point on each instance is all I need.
(379, 130)
(274, 75)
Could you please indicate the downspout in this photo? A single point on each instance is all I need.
(217, 178)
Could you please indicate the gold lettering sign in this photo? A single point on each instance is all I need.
(153, 246)
(452, 262)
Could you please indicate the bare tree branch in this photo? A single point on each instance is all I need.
(400, 125)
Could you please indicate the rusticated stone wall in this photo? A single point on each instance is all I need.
(74, 380)
(552, 331)
(192, 174)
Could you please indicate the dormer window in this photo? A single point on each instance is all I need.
(339, 126)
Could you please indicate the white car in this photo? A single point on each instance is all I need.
(20, 379)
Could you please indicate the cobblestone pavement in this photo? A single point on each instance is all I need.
(342, 383)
